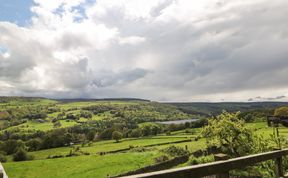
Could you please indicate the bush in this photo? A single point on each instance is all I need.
(282, 111)
(229, 133)
(21, 155)
(200, 160)
(141, 149)
(175, 151)
(55, 156)
(33, 144)
(117, 136)
(106, 134)
(10, 146)
(136, 133)
(161, 159)
(2, 158)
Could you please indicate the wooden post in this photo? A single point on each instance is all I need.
(279, 168)
(221, 157)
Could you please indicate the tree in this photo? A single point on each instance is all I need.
(136, 133)
(91, 135)
(106, 134)
(4, 115)
(10, 146)
(2, 158)
(116, 135)
(20, 155)
(57, 124)
(33, 144)
(229, 134)
(282, 111)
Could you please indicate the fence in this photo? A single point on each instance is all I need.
(2, 172)
(220, 168)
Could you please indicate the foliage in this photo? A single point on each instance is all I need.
(141, 149)
(136, 133)
(229, 133)
(282, 111)
(161, 159)
(116, 135)
(4, 115)
(150, 128)
(3, 158)
(212, 109)
(200, 160)
(11, 146)
(33, 144)
(91, 135)
(21, 155)
(56, 124)
(175, 151)
(106, 134)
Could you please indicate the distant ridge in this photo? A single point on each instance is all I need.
(205, 108)
(102, 99)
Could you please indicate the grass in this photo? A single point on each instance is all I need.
(30, 125)
(81, 166)
(113, 164)
(105, 146)
(192, 146)
(262, 129)
(13, 103)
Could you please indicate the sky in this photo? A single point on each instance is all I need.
(163, 50)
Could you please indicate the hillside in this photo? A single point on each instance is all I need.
(108, 136)
(207, 109)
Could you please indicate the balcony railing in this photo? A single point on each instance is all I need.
(220, 168)
(2, 172)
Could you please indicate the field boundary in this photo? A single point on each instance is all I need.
(159, 166)
(145, 146)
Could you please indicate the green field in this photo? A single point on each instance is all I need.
(106, 146)
(81, 166)
(98, 166)
(101, 156)
(94, 165)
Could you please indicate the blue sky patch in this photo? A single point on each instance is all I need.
(16, 11)
(3, 50)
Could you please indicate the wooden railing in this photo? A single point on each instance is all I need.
(220, 168)
(2, 172)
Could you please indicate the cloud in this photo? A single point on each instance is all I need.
(157, 49)
(259, 98)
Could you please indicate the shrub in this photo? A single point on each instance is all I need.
(136, 133)
(55, 156)
(33, 144)
(161, 159)
(200, 160)
(282, 111)
(230, 134)
(21, 155)
(141, 149)
(2, 158)
(10, 146)
(175, 151)
(117, 136)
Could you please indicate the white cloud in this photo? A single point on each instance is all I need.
(155, 49)
(131, 40)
